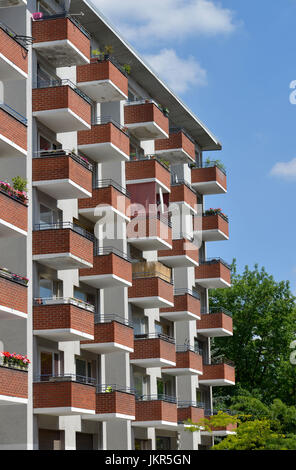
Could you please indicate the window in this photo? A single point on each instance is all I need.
(140, 384)
(163, 443)
(49, 216)
(84, 296)
(50, 364)
(84, 371)
(50, 289)
(162, 329)
(139, 324)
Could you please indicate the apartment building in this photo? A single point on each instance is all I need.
(104, 276)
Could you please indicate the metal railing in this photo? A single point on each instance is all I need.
(9, 110)
(176, 130)
(223, 216)
(215, 310)
(218, 361)
(64, 153)
(58, 82)
(108, 250)
(103, 57)
(161, 336)
(144, 101)
(70, 17)
(194, 404)
(65, 378)
(107, 388)
(180, 182)
(210, 164)
(181, 348)
(140, 158)
(158, 397)
(215, 261)
(65, 225)
(185, 291)
(11, 192)
(109, 318)
(101, 120)
(106, 183)
(5, 274)
(64, 301)
(20, 39)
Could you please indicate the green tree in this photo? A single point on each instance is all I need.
(264, 319)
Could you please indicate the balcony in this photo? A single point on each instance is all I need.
(217, 322)
(63, 319)
(62, 174)
(13, 295)
(190, 410)
(106, 141)
(184, 254)
(13, 132)
(61, 106)
(186, 306)
(148, 169)
(13, 384)
(111, 268)
(145, 120)
(153, 350)
(214, 227)
(13, 212)
(107, 197)
(182, 193)
(113, 333)
(221, 431)
(178, 148)
(213, 274)
(188, 362)
(158, 412)
(61, 40)
(64, 395)
(63, 245)
(152, 286)
(209, 180)
(218, 374)
(13, 55)
(114, 402)
(102, 81)
(149, 233)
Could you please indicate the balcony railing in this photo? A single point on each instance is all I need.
(194, 404)
(65, 301)
(215, 261)
(185, 291)
(64, 153)
(210, 164)
(146, 101)
(65, 225)
(159, 397)
(56, 16)
(107, 388)
(214, 310)
(109, 318)
(218, 361)
(19, 117)
(62, 82)
(101, 120)
(20, 39)
(23, 281)
(65, 378)
(176, 130)
(161, 336)
(106, 183)
(108, 250)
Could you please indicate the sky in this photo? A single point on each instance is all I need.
(233, 62)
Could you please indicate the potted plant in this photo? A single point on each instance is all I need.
(127, 68)
(108, 51)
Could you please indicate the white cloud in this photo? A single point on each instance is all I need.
(167, 20)
(177, 72)
(285, 170)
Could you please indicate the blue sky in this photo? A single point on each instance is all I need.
(232, 62)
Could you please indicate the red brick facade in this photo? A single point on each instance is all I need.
(151, 287)
(105, 133)
(13, 295)
(13, 212)
(218, 371)
(184, 303)
(112, 332)
(62, 241)
(215, 320)
(64, 394)
(116, 402)
(147, 169)
(156, 411)
(13, 129)
(149, 227)
(212, 271)
(181, 193)
(154, 348)
(195, 414)
(97, 71)
(215, 222)
(176, 141)
(181, 247)
(55, 317)
(13, 51)
(62, 167)
(146, 112)
(60, 29)
(60, 97)
(202, 175)
(109, 264)
(108, 196)
(13, 383)
(189, 360)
